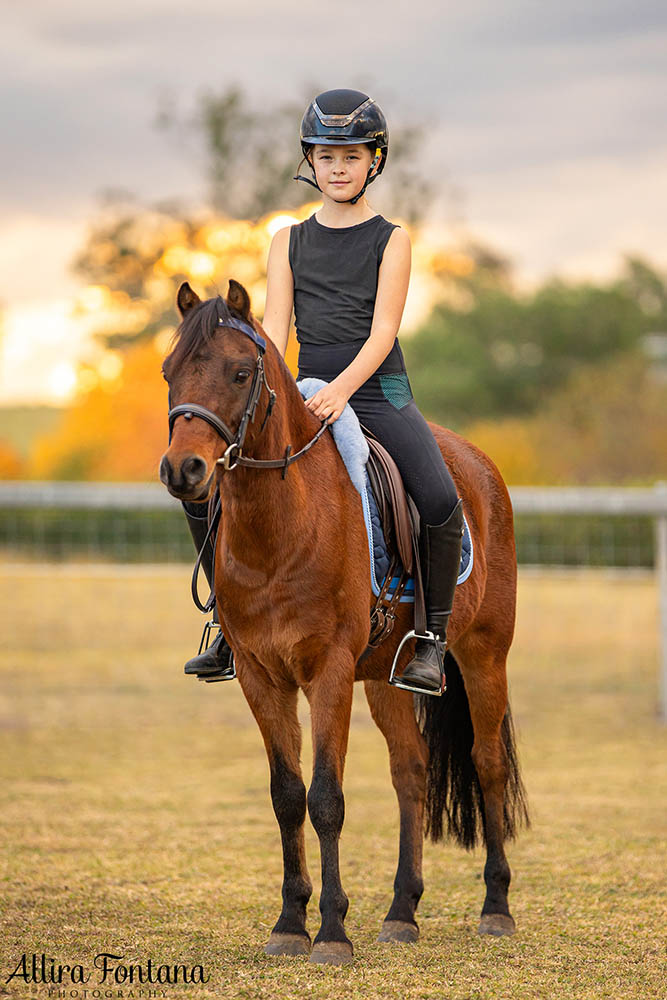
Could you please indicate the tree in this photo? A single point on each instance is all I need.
(498, 353)
(135, 256)
(604, 425)
(117, 431)
(11, 463)
(135, 263)
(251, 155)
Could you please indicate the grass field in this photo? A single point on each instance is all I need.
(135, 813)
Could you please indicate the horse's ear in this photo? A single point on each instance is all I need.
(186, 299)
(238, 299)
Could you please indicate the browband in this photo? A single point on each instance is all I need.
(239, 324)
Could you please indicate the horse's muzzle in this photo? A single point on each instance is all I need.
(186, 479)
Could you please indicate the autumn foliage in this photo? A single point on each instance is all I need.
(118, 430)
(557, 387)
(11, 464)
(602, 427)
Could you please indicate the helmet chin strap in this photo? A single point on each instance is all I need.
(376, 160)
(300, 177)
(352, 201)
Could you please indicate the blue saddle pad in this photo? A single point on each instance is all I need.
(354, 451)
(380, 556)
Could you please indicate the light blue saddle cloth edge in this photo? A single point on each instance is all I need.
(354, 451)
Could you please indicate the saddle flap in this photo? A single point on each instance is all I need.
(393, 501)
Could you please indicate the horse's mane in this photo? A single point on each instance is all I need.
(198, 328)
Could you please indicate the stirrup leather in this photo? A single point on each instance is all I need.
(406, 685)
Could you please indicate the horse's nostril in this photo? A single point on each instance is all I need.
(165, 471)
(193, 470)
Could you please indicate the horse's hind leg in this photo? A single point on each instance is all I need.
(276, 714)
(393, 712)
(486, 687)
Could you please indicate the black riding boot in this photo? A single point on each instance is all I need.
(216, 661)
(440, 557)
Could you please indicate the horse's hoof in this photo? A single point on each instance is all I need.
(287, 944)
(331, 953)
(496, 924)
(399, 931)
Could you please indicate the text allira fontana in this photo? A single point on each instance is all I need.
(110, 969)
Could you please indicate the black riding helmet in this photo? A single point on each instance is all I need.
(345, 117)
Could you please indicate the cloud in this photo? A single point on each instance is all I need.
(567, 218)
(549, 116)
(35, 256)
(505, 89)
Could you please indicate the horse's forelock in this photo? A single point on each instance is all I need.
(197, 329)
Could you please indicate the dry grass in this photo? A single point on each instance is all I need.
(136, 817)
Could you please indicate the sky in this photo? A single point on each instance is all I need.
(548, 118)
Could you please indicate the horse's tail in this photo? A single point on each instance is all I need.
(453, 790)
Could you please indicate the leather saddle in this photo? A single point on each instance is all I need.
(400, 527)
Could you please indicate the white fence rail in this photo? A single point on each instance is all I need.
(648, 500)
(565, 501)
(645, 500)
(86, 496)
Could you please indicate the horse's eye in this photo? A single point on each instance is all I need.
(242, 376)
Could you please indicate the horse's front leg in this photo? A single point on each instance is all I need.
(276, 712)
(330, 697)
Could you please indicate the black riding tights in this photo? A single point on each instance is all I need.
(385, 405)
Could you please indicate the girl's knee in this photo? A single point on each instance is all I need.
(437, 507)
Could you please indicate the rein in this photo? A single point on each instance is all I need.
(233, 455)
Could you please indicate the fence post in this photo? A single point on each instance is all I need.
(661, 568)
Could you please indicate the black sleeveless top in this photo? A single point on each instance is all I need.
(335, 284)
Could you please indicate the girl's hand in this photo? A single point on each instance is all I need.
(329, 402)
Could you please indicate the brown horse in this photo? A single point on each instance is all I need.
(293, 587)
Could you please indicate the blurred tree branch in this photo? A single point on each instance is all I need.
(252, 154)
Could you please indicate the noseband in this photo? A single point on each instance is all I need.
(233, 455)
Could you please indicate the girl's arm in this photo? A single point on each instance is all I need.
(279, 291)
(393, 280)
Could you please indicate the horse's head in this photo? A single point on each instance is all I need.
(215, 361)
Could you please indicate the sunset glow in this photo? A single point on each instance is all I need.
(50, 354)
(279, 222)
(40, 348)
(62, 380)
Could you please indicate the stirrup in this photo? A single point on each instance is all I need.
(224, 675)
(406, 685)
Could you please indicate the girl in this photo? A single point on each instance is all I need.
(345, 272)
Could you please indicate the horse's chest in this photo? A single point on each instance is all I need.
(241, 578)
(250, 593)
(271, 612)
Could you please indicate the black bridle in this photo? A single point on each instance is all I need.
(233, 455)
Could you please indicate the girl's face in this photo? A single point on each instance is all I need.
(341, 170)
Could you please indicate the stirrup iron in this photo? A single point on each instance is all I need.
(406, 685)
(203, 646)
